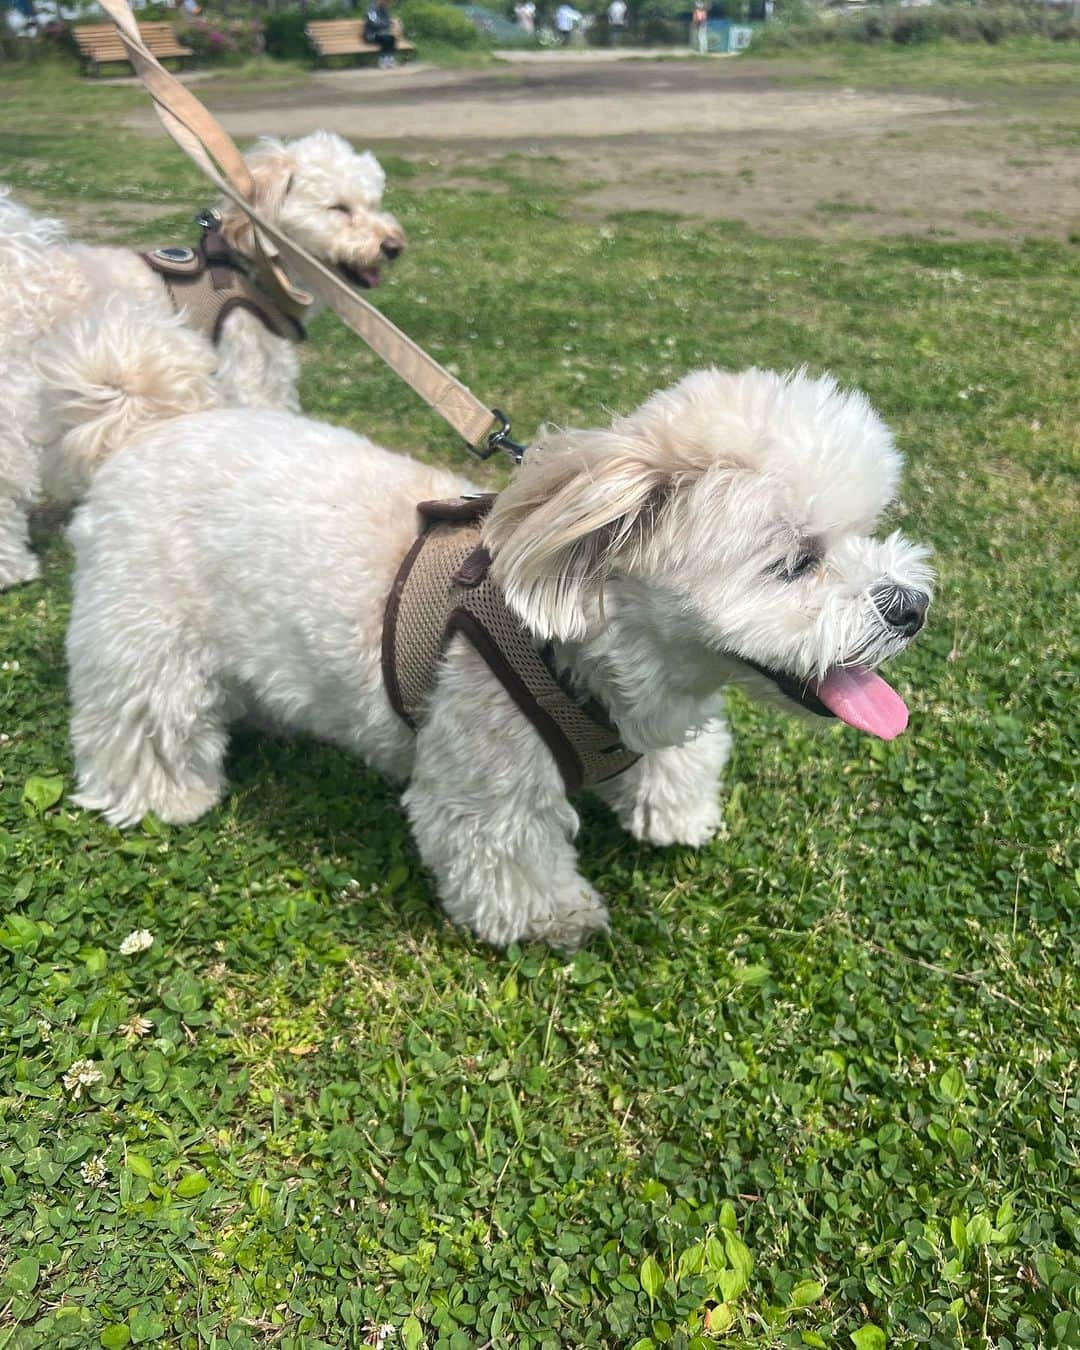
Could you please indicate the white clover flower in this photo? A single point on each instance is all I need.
(82, 1074)
(135, 1028)
(94, 1171)
(44, 1029)
(377, 1334)
(138, 941)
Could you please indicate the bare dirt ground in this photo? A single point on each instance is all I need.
(717, 139)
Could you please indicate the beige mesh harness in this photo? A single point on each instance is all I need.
(208, 283)
(443, 587)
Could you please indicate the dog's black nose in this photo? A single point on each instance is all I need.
(393, 246)
(903, 609)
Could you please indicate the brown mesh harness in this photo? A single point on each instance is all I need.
(209, 283)
(444, 587)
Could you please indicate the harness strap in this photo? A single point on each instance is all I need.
(204, 140)
(444, 587)
(209, 284)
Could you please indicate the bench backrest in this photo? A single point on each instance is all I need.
(333, 32)
(100, 41)
(336, 37)
(324, 28)
(158, 32)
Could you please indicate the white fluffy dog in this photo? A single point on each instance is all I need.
(234, 562)
(109, 306)
(31, 301)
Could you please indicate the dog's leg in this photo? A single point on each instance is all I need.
(256, 369)
(148, 724)
(17, 562)
(492, 820)
(671, 796)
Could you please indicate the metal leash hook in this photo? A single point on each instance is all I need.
(500, 440)
(210, 219)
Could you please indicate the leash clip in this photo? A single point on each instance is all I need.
(210, 219)
(500, 440)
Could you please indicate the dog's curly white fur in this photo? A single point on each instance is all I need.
(68, 311)
(31, 301)
(235, 561)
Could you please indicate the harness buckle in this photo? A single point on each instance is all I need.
(500, 439)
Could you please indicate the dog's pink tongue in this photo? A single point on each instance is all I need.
(863, 700)
(371, 276)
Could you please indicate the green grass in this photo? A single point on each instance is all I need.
(1016, 65)
(823, 1076)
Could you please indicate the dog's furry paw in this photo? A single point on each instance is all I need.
(662, 826)
(572, 929)
(569, 927)
(172, 806)
(19, 569)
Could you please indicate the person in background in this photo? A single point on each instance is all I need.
(525, 14)
(379, 29)
(566, 17)
(699, 28)
(616, 17)
(20, 19)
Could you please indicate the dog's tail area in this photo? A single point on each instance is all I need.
(109, 374)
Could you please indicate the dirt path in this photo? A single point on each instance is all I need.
(536, 106)
(718, 139)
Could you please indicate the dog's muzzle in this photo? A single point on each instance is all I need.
(903, 608)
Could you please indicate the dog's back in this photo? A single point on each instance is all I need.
(248, 554)
(38, 284)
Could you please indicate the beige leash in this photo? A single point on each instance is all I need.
(205, 141)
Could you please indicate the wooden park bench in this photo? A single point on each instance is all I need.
(345, 37)
(99, 44)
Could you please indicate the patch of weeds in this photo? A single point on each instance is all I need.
(843, 206)
(978, 216)
(399, 168)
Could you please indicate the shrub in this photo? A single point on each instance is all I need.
(872, 27)
(285, 36)
(655, 28)
(216, 40)
(422, 21)
(906, 27)
(433, 21)
(915, 25)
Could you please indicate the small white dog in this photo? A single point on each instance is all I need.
(240, 561)
(116, 310)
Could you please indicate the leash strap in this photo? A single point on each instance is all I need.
(205, 141)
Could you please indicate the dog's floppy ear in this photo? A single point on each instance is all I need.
(582, 501)
(272, 167)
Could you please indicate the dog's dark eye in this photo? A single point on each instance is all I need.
(802, 564)
(798, 566)
(340, 206)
